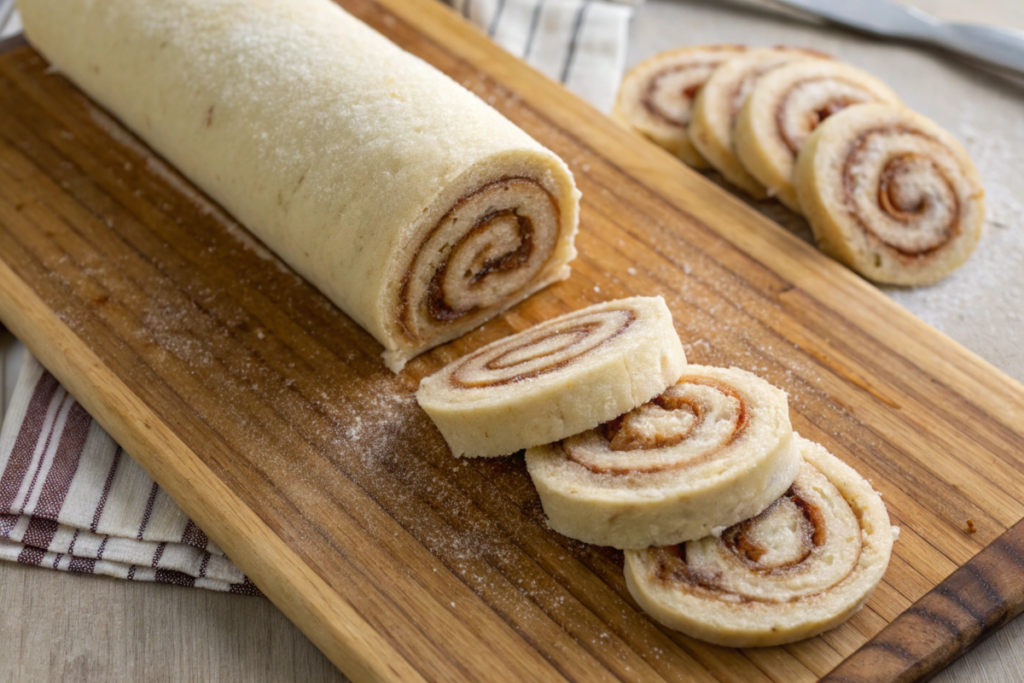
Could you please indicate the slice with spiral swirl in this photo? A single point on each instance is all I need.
(803, 566)
(785, 107)
(890, 194)
(712, 450)
(657, 95)
(719, 102)
(556, 379)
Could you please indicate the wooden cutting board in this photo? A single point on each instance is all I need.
(269, 416)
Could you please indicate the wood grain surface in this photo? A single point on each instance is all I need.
(270, 418)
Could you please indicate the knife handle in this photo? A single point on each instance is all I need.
(1002, 47)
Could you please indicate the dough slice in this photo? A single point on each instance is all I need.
(785, 107)
(719, 101)
(657, 95)
(890, 194)
(801, 567)
(714, 449)
(556, 379)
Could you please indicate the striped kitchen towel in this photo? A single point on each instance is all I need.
(72, 500)
(580, 43)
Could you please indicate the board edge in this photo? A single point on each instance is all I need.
(972, 603)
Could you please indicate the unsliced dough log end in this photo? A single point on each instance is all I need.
(501, 233)
(411, 204)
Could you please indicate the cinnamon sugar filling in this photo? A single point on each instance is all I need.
(543, 352)
(912, 191)
(664, 422)
(678, 84)
(670, 566)
(488, 246)
(835, 95)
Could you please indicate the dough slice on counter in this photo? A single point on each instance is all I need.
(656, 96)
(415, 207)
(801, 567)
(556, 379)
(785, 107)
(890, 194)
(719, 101)
(712, 450)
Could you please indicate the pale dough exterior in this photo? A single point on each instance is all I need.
(785, 576)
(336, 148)
(890, 194)
(786, 105)
(656, 96)
(556, 379)
(718, 104)
(714, 449)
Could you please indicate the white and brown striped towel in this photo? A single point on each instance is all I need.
(580, 43)
(72, 500)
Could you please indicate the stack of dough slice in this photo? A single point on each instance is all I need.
(736, 530)
(886, 192)
(719, 102)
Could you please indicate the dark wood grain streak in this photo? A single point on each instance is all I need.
(954, 617)
(397, 560)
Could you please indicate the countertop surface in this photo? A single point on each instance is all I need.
(85, 628)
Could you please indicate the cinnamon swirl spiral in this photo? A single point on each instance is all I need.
(495, 246)
(718, 105)
(558, 378)
(712, 450)
(785, 107)
(891, 194)
(802, 566)
(657, 95)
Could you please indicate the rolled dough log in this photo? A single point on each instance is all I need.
(416, 208)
